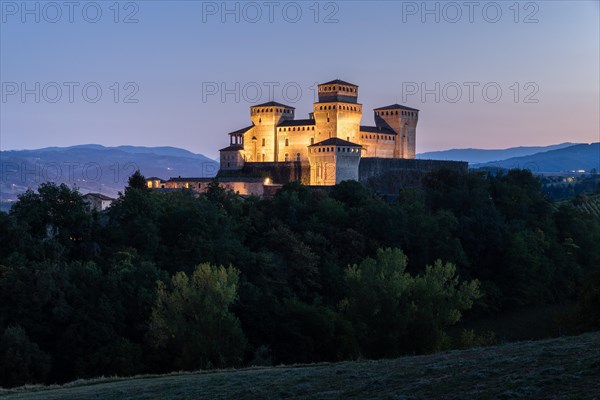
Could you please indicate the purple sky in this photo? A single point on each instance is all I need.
(171, 56)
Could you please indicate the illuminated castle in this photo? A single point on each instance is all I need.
(329, 144)
(327, 148)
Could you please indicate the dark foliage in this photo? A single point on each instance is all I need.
(140, 288)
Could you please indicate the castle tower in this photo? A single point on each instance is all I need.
(332, 161)
(402, 120)
(337, 113)
(262, 145)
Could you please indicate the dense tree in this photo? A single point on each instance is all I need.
(308, 280)
(191, 320)
(395, 313)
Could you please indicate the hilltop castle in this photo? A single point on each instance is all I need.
(325, 149)
(331, 141)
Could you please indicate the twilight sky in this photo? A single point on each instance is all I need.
(184, 73)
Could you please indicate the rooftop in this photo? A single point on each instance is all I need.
(233, 147)
(273, 104)
(377, 129)
(98, 196)
(396, 107)
(334, 141)
(297, 122)
(243, 130)
(339, 82)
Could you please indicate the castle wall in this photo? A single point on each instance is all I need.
(337, 119)
(298, 140)
(231, 160)
(261, 141)
(323, 167)
(347, 165)
(378, 144)
(281, 172)
(389, 175)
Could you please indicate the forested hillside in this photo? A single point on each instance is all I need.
(170, 281)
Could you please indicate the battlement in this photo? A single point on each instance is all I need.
(338, 91)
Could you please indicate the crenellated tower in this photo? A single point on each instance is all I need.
(402, 120)
(262, 146)
(337, 113)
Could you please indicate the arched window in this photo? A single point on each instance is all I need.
(297, 156)
(287, 143)
(286, 157)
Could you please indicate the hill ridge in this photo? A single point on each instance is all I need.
(564, 367)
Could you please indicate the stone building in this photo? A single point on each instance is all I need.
(328, 147)
(330, 142)
(98, 201)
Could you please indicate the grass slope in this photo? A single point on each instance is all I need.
(563, 368)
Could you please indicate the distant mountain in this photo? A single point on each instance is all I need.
(95, 168)
(163, 151)
(485, 156)
(578, 157)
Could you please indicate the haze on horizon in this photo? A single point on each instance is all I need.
(161, 67)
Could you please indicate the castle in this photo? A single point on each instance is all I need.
(331, 141)
(325, 149)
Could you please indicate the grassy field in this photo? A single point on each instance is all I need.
(563, 368)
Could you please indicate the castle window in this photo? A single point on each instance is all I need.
(312, 141)
(327, 119)
(286, 157)
(339, 149)
(313, 128)
(263, 142)
(287, 143)
(297, 156)
(259, 120)
(348, 138)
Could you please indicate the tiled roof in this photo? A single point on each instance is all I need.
(339, 82)
(334, 141)
(396, 107)
(376, 129)
(297, 122)
(98, 196)
(233, 147)
(180, 179)
(243, 130)
(273, 104)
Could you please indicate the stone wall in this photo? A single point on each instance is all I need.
(282, 172)
(389, 175)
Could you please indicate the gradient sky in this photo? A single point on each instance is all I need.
(174, 50)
